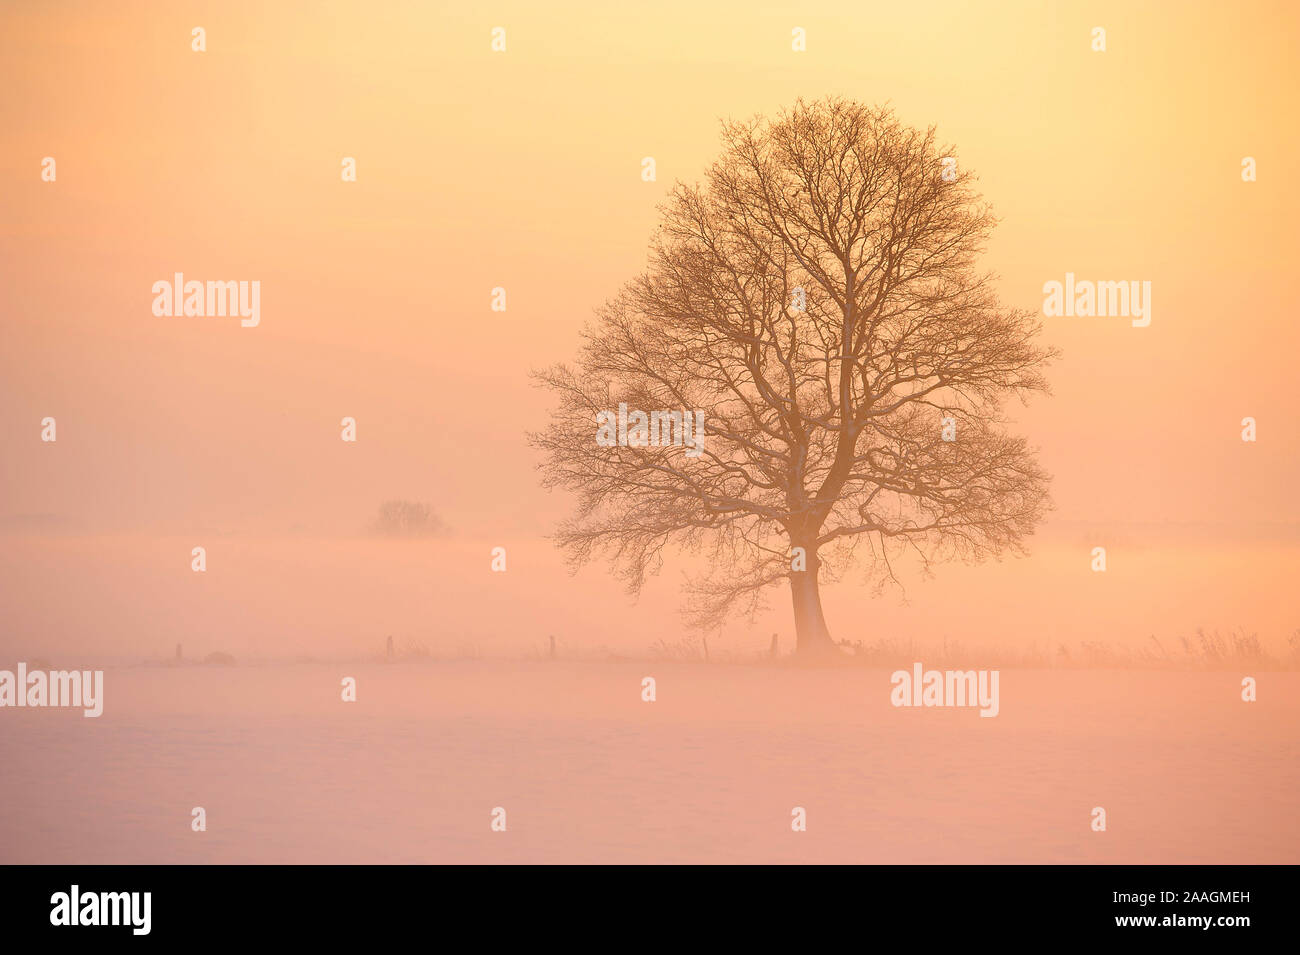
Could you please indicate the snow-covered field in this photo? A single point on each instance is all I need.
(587, 772)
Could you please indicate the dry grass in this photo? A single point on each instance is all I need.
(1202, 651)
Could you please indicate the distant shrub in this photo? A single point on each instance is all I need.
(412, 649)
(398, 518)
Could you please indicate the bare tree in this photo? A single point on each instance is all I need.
(818, 297)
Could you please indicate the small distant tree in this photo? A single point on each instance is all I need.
(819, 298)
(398, 518)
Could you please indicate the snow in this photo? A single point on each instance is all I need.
(709, 773)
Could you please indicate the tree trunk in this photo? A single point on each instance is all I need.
(812, 638)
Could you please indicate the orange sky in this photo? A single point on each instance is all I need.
(522, 170)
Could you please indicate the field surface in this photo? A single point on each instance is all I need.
(708, 773)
